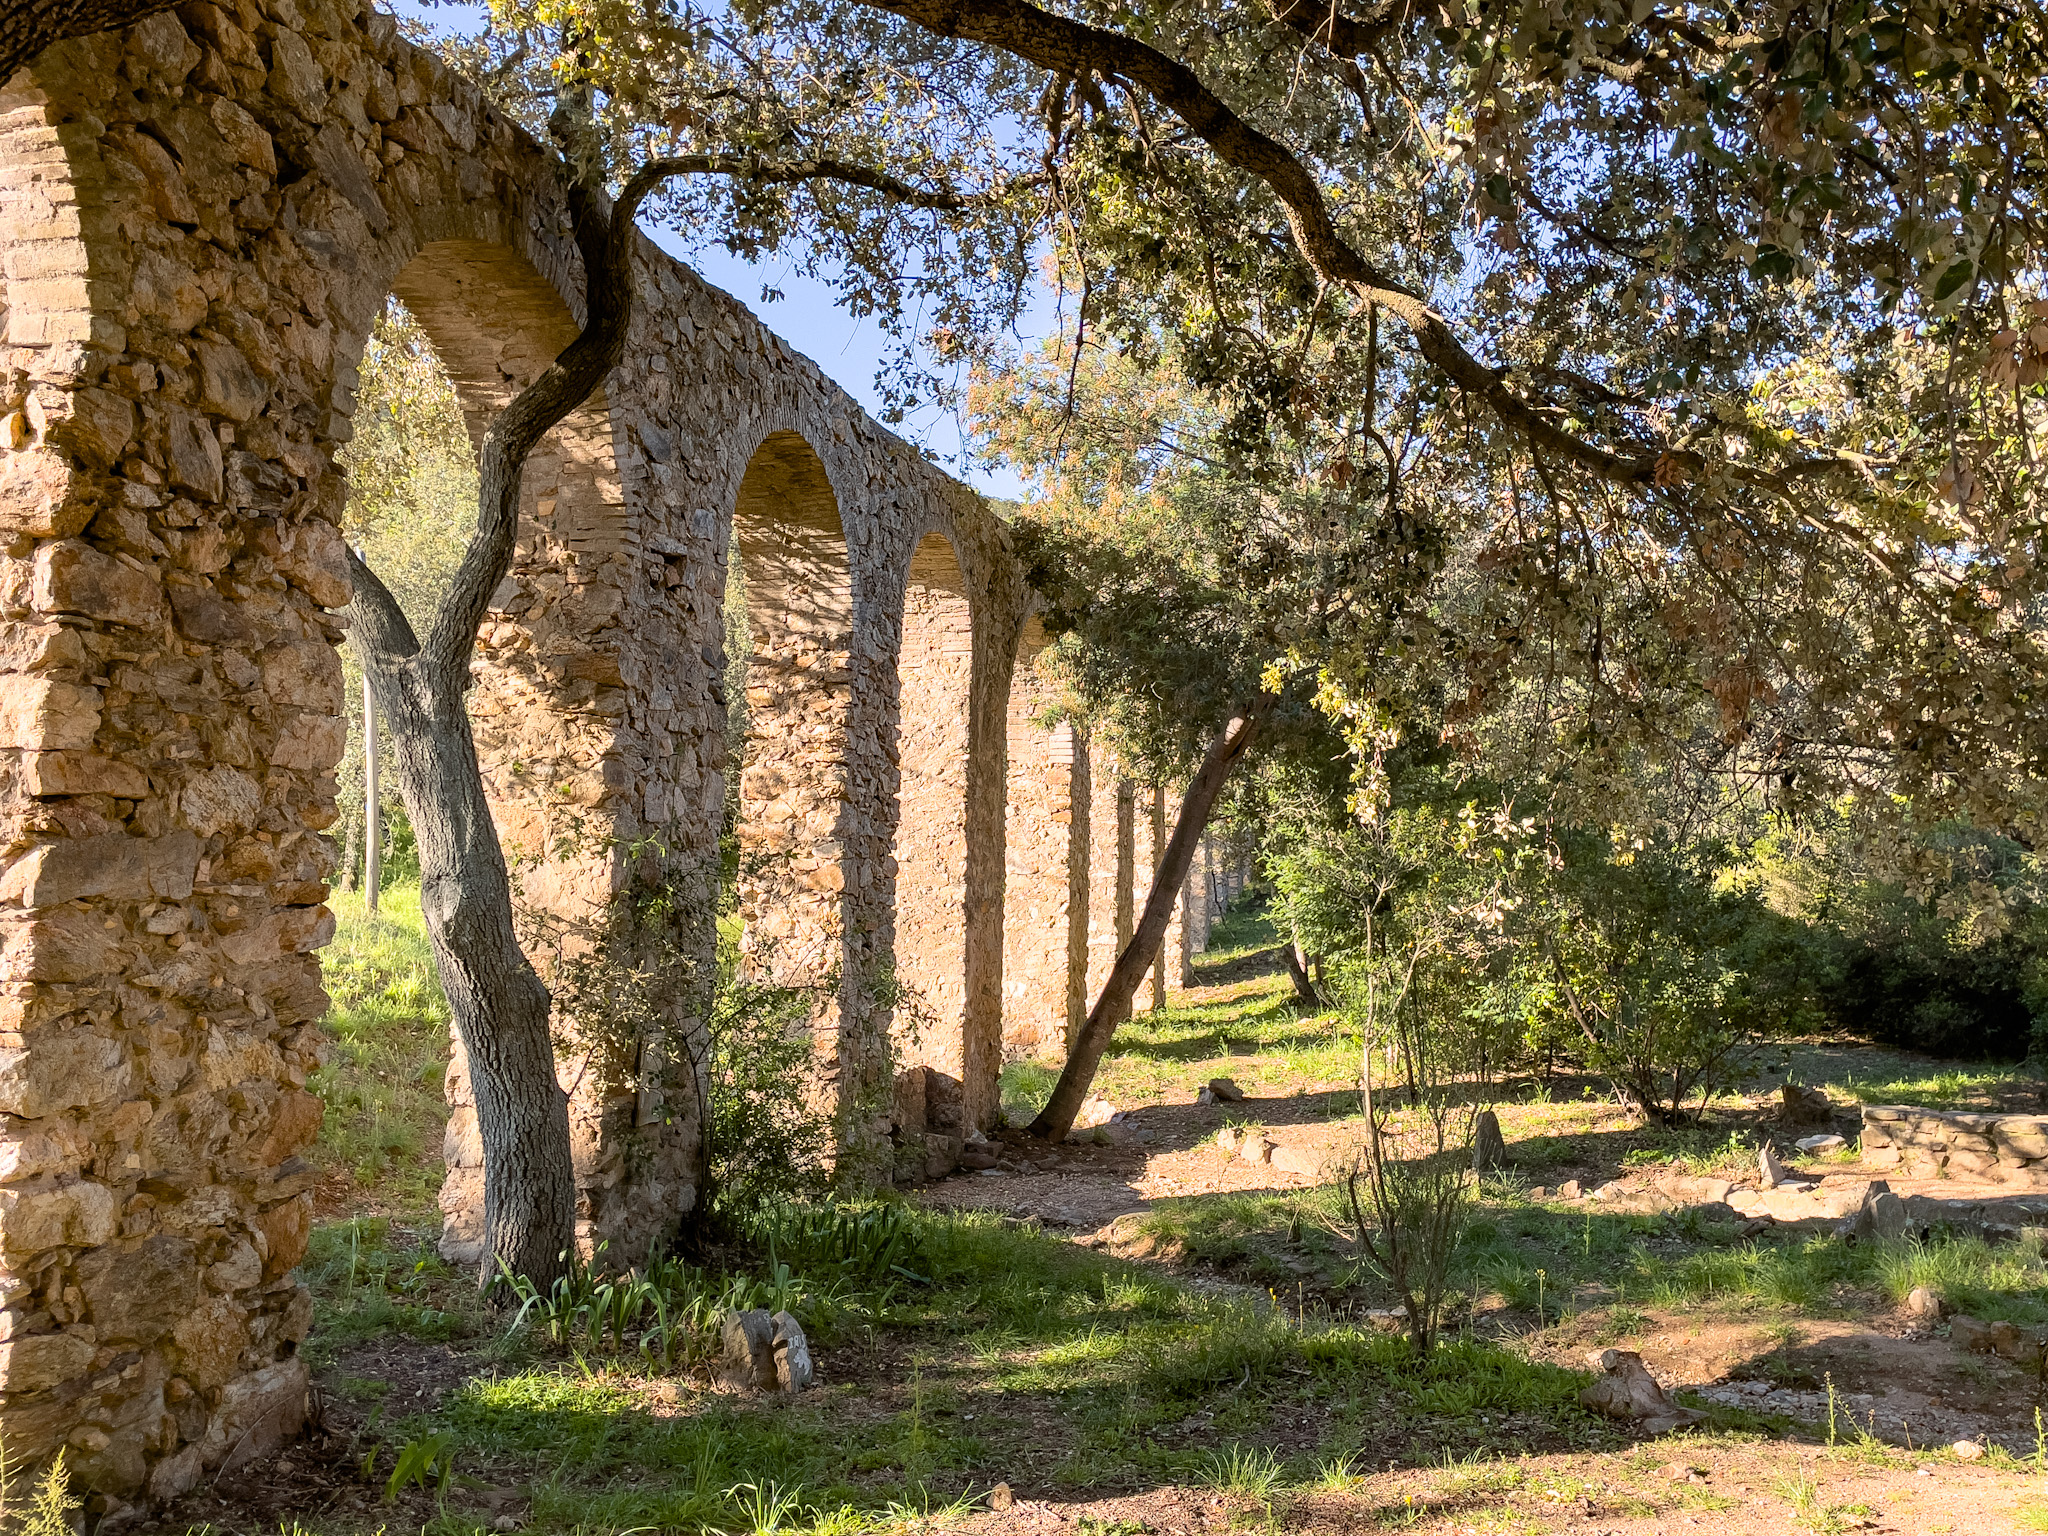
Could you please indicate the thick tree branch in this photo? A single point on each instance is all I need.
(1078, 50)
(826, 168)
(378, 626)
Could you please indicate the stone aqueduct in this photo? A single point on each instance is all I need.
(200, 218)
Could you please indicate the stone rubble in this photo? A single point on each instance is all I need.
(2010, 1148)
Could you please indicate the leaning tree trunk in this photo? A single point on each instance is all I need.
(500, 1008)
(1114, 1004)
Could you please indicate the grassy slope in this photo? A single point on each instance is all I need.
(1015, 1356)
(383, 1080)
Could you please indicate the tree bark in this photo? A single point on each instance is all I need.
(1304, 989)
(499, 1005)
(1114, 1004)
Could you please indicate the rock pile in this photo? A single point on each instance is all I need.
(2010, 1148)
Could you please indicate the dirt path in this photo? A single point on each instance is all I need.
(1896, 1377)
(1657, 1490)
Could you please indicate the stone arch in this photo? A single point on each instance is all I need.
(204, 212)
(789, 550)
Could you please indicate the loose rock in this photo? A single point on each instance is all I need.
(1226, 1091)
(793, 1368)
(1806, 1106)
(1627, 1390)
(747, 1341)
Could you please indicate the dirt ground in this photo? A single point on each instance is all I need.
(1657, 1489)
(1893, 1377)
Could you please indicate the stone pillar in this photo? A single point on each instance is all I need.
(1195, 905)
(1108, 893)
(928, 1028)
(170, 713)
(1045, 894)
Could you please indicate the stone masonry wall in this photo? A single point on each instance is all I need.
(203, 215)
(1045, 908)
(2011, 1148)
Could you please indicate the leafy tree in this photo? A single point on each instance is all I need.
(1709, 338)
(1174, 591)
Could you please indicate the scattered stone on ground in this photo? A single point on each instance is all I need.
(1226, 1091)
(793, 1368)
(1820, 1144)
(1926, 1304)
(765, 1352)
(1094, 1111)
(1805, 1106)
(1770, 1172)
(1625, 1389)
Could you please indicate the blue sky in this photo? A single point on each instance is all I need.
(848, 349)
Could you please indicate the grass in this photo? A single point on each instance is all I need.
(985, 1351)
(1948, 1088)
(1613, 1260)
(389, 1030)
(1021, 1356)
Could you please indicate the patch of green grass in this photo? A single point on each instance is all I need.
(389, 1031)
(1014, 1346)
(370, 1279)
(1026, 1085)
(2008, 1281)
(1948, 1088)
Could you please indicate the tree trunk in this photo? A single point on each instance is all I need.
(500, 1008)
(1114, 1005)
(1158, 834)
(1304, 989)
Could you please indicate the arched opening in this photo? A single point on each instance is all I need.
(545, 703)
(789, 601)
(1045, 891)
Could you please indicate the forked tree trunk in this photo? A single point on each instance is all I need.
(499, 1005)
(1113, 1006)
